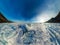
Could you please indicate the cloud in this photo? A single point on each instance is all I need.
(44, 16)
(58, 4)
(51, 10)
(29, 10)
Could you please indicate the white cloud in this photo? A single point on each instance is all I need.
(58, 4)
(51, 11)
(44, 16)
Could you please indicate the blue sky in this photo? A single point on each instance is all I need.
(29, 10)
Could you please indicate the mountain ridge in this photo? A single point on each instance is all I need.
(3, 19)
(55, 19)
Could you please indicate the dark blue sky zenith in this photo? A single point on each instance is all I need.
(26, 10)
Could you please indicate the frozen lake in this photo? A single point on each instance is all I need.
(30, 34)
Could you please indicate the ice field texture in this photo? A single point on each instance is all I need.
(30, 34)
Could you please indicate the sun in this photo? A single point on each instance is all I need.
(42, 20)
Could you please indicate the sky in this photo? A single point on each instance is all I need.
(29, 10)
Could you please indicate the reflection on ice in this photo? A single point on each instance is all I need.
(30, 34)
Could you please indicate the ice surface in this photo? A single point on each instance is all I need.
(30, 34)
